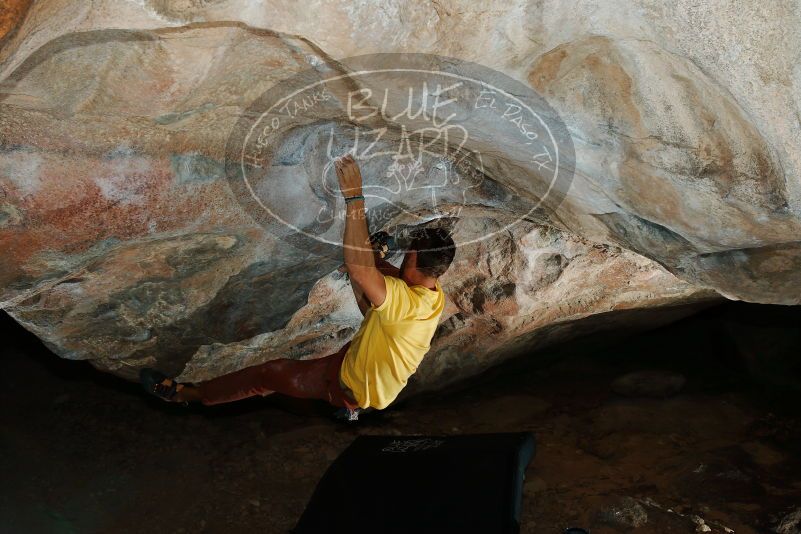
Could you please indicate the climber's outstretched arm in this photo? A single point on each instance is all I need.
(384, 267)
(359, 254)
(361, 299)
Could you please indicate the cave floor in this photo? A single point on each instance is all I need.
(85, 452)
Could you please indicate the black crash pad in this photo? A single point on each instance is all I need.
(404, 484)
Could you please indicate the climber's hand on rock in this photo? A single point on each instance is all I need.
(350, 178)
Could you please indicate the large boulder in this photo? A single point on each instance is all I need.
(124, 243)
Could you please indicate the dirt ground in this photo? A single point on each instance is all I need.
(86, 452)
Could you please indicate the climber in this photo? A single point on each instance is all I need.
(401, 309)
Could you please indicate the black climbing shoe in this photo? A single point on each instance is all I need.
(152, 379)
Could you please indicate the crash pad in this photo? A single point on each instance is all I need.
(453, 483)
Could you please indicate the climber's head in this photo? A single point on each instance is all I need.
(429, 255)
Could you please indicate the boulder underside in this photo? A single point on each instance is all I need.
(124, 243)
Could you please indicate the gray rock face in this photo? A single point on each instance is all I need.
(123, 242)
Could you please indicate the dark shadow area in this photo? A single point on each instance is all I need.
(21, 343)
(754, 349)
(84, 451)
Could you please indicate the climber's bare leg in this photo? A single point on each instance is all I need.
(303, 379)
(187, 393)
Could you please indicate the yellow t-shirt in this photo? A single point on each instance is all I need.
(391, 342)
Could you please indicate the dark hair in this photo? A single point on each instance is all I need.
(435, 250)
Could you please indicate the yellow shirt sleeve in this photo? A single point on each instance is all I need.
(400, 303)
